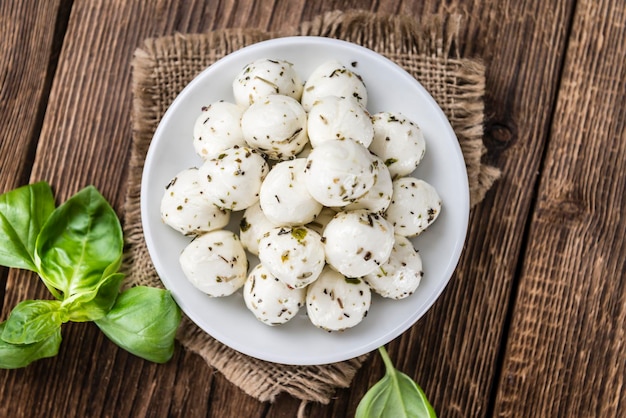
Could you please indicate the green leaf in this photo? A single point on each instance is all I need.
(14, 356)
(396, 395)
(96, 303)
(23, 212)
(81, 241)
(32, 321)
(143, 321)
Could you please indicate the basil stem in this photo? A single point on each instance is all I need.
(96, 303)
(396, 395)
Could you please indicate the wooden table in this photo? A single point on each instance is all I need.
(532, 323)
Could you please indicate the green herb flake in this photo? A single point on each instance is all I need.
(299, 233)
(244, 226)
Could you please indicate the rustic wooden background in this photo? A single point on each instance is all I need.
(532, 324)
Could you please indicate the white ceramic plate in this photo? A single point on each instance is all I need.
(299, 342)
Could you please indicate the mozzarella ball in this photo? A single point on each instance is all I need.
(400, 276)
(269, 299)
(217, 128)
(215, 263)
(339, 172)
(232, 180)
(335, 303)
(398, 142)
(321, 220)
(333, 117)
(264, 77)
(276, 126)
(284, 197)
(378, 198)
(294, 255)
(253, 225)
(333, 79)
(357, 242)
(185, 207)
(415, 205)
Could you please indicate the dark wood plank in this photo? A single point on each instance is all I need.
(567, 347)
(26, 54)
(31, 33)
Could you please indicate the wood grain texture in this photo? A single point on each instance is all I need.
(26, 52)
(565, 353)
(568, 308)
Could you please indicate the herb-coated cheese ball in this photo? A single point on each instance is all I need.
(333, 79)
(415, 205)
(400, 276)
(335, 302)
(232, 179)
(269, 299)
(276, 126)
(252, 226)
(215, 263)
(264, 77)
(217, 128)
(378, 198)
(398, 141)
(185, 207)
(357, 242)
(333, 117)
(284, 196)
(339, 172)
(294, 255)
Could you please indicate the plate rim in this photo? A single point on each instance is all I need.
(277, 42)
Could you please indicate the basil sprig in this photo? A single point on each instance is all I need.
(396, 395)
(76, 249)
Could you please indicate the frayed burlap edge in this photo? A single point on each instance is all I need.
(427, 50)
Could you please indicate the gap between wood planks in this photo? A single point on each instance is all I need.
(515, 282)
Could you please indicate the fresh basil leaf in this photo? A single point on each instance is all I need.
(96, 303)
(14, 356)
(23, 211)
(396, 395)
(32, 321)
(143, 321)
(81, 241)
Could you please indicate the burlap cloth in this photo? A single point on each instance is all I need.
(428, 50)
